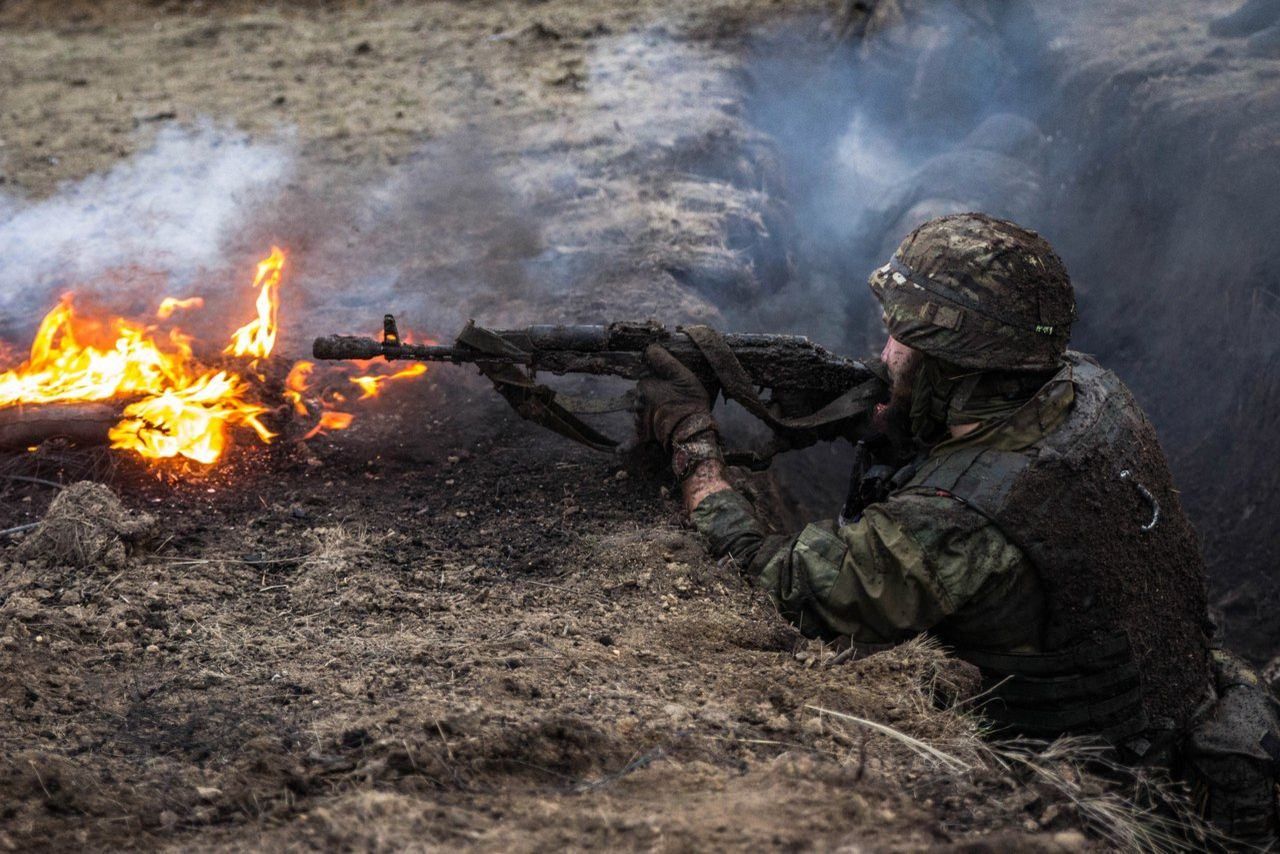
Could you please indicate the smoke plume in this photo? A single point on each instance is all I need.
(167, 212)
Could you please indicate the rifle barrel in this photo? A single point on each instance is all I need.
(341, 347)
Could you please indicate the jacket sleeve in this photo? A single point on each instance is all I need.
(907, 565)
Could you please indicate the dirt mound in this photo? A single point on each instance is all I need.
(86, 527)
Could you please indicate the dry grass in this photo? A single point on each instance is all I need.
(1130, 809)
(86, 527)
(1125, 808)
(332, 549)
(336, 570)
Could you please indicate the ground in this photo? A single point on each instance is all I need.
(443, 628)
(498, 643)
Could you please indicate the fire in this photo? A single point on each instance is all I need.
(190, 421)
(295, 385)
(61, 368)
(370, 384)
(174, 407)
(310, 392)
(258, 337)
(169, 305)
(330, 420)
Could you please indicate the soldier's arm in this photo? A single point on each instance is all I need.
(907, 565)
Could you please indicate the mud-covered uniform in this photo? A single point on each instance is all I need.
(912, 563)
(1022, 546)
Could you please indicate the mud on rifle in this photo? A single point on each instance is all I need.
(814, 394)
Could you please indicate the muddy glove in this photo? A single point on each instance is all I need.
(677, 413)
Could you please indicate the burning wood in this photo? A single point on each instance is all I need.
(129, 384)
(165, 402)
(83, 423)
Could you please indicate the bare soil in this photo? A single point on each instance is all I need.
(497, 642)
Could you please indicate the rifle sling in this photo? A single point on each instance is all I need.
(853, 405)
(540, 404)
(532, 401)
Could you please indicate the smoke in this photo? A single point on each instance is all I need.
(1147, 171)
(486, 223)
(165, 213)
(920, 119)
(438, 237)
(572, 217)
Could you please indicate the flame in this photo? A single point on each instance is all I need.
(190, 422)
(330, 420)
(174, 407)
(257, 338)
(295, 385)
(301, 392)
(169, 305)
(370, 383)
(61, 368)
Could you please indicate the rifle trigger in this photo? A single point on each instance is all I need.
(390, 334)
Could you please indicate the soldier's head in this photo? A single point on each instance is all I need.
(969, 295)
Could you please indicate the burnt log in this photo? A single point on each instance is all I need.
(81, 423)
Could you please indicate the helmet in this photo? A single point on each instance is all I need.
(978, 292)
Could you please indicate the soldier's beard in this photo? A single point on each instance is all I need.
(894, 419)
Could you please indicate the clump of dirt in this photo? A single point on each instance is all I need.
(329, 574)
(86, 527)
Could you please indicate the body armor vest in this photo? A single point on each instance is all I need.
(1123, 646)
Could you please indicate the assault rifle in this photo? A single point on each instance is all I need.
(815, 394)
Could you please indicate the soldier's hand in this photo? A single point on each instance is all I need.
(676, 406)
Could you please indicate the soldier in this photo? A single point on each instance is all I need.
(1036, 530)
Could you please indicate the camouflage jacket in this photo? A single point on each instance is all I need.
(911, 563)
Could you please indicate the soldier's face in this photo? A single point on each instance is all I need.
(902, 363)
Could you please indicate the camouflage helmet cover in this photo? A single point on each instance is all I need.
(979, 292)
